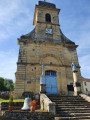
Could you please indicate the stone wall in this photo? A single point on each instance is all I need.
(16, 106)
(29, 115)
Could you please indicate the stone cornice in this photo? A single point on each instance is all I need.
(45, 42)
(48, 23)
(42, 7)
(54, 65)
(67, 45)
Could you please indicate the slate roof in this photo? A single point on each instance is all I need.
(29, 36)
(63, 38)
(46, 4)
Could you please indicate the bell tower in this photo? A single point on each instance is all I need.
(46, 21)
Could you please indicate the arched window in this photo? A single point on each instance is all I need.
(50, 73)
(48, 17)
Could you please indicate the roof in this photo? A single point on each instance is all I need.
(46, 4)
(62, 38)
(85, 79)
(29, 36)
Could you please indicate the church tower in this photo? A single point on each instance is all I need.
(46, 44)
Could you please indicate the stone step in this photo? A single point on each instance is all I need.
(73, 118)
(58, 95)
(70, 102)
(19, 84)
(72, 108)
(20, 81)
(73, 104)
(73, 114)
(20, 90)
(66, 97)
(63, 96)
(19, 87)
(58, 106)
(72, 111)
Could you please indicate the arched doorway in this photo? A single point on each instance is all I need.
(51, 82)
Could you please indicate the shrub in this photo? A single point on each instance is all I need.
(11, 100)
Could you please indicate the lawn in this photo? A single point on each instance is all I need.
(15, 100)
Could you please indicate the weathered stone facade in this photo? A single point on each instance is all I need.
(55, 50)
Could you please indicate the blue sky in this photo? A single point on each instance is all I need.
(16, 19)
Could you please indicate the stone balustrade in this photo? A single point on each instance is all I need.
(86, 97)
(46, 104)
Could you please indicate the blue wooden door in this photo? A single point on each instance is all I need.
(51, 82)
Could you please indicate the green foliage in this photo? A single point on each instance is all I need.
(6, 84)
(2, 87)
(11, 100)
(9, 84)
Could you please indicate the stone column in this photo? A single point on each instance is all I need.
(42, 81)
(76, 84)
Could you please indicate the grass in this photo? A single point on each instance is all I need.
(15, 100)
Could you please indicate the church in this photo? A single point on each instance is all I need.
(48, 45)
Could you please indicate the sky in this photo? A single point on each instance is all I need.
(16, 19)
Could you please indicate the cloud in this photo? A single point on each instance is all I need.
(14, 16)
(15, 19)
(84, 36)
(85, 65)
(78, 30)
(83, 40)
(8, 61)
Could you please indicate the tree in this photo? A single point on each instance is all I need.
(2, 87)
(6, 84)
(9, 84)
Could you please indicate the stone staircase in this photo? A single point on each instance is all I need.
(19, 88)
(71, 107)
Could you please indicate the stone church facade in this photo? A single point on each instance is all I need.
(46, 44)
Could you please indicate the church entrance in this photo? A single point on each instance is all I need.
(51, 82)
